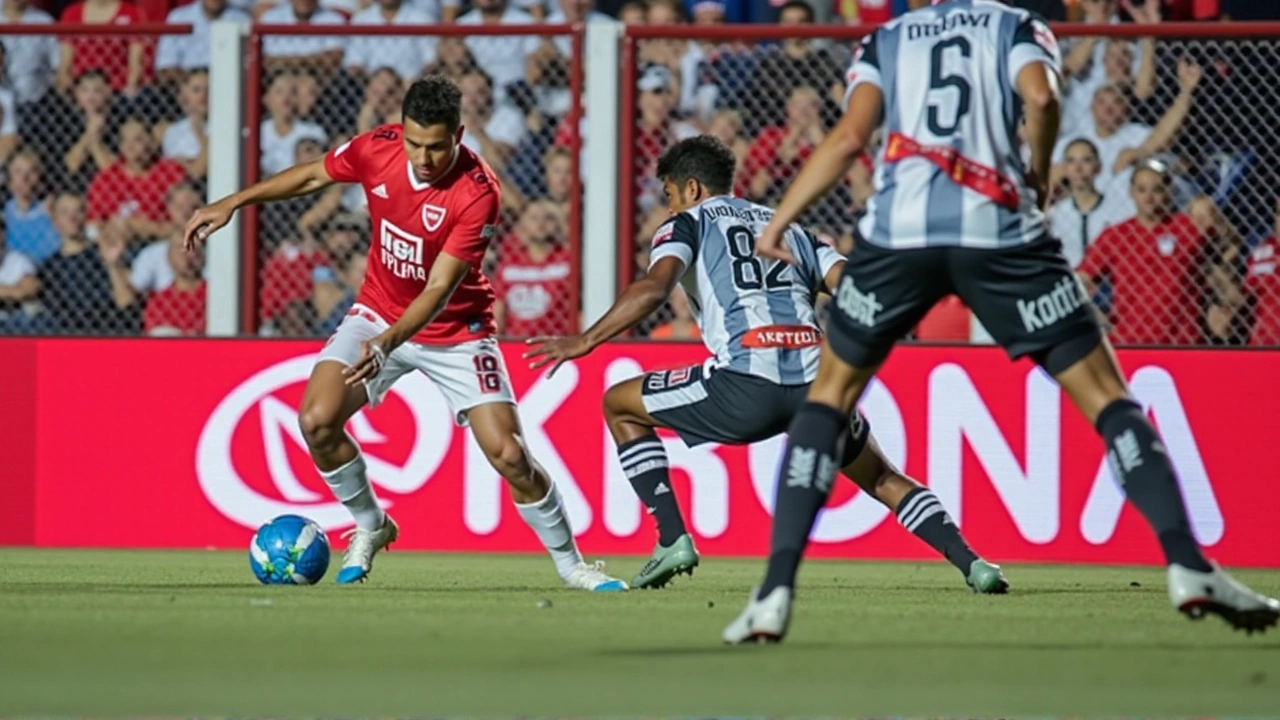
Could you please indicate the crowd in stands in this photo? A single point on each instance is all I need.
(1165, 175)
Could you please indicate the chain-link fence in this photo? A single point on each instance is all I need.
(1166, 192)
(102, 161)
(104, 157)
(518, 95)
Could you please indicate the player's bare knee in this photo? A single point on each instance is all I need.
(510, 460)
(620, 416)
(320, 426)
(613, 403)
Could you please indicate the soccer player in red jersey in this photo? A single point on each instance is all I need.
(425, 306)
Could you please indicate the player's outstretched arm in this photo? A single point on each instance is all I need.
(297, 180)
(826, 166)
(639, 301)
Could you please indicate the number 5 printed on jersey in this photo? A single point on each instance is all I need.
(940, 82)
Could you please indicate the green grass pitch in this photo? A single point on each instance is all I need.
(187, 633)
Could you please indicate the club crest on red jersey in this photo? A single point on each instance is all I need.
(432, 216)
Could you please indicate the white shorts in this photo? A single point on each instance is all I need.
(468, 374)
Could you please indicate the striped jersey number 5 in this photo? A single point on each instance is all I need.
(939, 82)
(748, 271)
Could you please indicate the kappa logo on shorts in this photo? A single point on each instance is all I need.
(432, 216)
(1065, 298)
(860, 307)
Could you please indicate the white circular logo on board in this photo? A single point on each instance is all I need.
(227, 490)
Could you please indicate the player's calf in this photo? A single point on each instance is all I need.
(644, 462)
(497, 432)
(1134, 449)
(327, 404)
(919, 511)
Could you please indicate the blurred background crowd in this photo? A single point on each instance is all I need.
(1165, 177)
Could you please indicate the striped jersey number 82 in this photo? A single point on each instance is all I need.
(748, 272)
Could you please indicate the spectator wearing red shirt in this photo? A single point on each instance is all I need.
(860, 12)
(1262, 284)
(122, 58)
(178, 309)
(128, 196)
(532, 279)
(1155, 263)
(780, 151)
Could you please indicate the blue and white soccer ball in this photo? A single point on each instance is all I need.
(289, 550)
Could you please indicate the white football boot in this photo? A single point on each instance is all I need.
(591, 576)
(764, 621)
(357, 561)
(1196, 594)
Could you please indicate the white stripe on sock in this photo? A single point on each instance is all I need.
(642, 458)
(643, 468)
(921, 507)
(911, 504)
(640, 447)
(925, 514)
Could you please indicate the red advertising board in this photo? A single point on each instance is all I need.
(193, 443)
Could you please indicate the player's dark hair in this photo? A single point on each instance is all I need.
(703, 158)
(434, 100)
(798, 5)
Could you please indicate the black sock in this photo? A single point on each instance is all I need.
(644, 461)
(1141, 465)
(804, 483)
(921, 513)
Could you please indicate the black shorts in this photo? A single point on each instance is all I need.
(1027, 297)
(714, 405)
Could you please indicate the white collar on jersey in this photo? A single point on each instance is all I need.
(418, 185)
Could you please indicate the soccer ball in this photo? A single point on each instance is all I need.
(289, 550)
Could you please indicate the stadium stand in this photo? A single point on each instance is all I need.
(104, 153)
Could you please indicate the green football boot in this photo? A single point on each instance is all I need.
(986, 578)
(666, 563)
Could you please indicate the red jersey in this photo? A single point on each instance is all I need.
(535, 293)
(174, 309)
(870, 12)
(763, 155)
(1262, 282)
(1156, 279)
(114, 192)
(287, 278)
(413, 222)
(109, 53)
